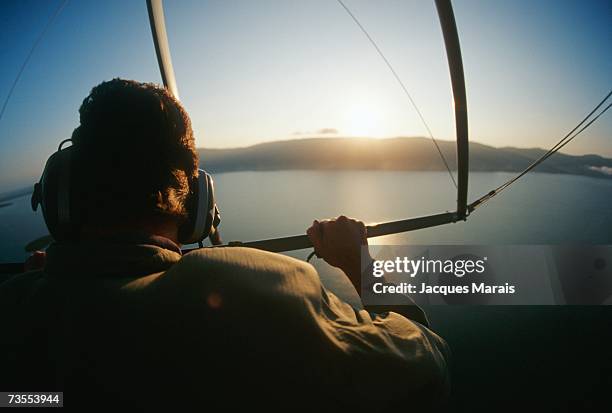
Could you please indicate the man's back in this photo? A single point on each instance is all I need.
(223, 327)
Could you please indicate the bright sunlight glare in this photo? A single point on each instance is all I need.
(365, 119)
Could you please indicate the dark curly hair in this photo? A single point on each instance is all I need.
(135, 156)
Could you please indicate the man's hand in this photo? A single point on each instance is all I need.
(339, 241)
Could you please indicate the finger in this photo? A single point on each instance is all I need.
(325, 228)
(363, 232)
(311, 227)
(314, 233)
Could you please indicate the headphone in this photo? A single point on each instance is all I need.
(53, 194)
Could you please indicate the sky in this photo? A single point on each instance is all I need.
(255, 71)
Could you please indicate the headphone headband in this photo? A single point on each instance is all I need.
(53, 193)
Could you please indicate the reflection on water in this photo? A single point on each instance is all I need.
(540, 209)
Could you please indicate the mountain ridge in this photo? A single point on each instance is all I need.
(398, 154)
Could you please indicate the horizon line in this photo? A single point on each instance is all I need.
(372, 138)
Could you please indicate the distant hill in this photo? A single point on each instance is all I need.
(403, 154)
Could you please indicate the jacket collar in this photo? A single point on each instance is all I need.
(126, 256)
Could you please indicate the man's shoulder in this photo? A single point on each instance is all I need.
(246, 268)
(236, 257)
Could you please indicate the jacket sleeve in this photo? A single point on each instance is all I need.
(392, 359)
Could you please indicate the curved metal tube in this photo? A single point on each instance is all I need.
(162, 47)
(455, 65)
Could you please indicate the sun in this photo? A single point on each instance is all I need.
(364, 120)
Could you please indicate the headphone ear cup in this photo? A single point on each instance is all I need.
(213, 218)
(52, 193)
(200, 220)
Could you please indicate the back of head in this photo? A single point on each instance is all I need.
(134, 156)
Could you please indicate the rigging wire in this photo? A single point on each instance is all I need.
(56, 13)
(577, 130)
(565, 139)
(401, 83)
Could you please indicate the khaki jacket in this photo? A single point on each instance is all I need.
(141, 325)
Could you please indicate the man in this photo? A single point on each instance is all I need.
(118, 316)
